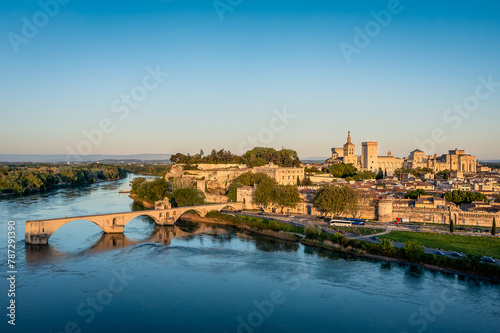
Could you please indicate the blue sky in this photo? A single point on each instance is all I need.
(225, 77)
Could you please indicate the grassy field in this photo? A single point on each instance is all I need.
(483, 246)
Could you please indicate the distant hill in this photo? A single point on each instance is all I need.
(87, 158)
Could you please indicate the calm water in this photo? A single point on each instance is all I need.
(199, 278)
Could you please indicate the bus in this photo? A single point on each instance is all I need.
(340, 223)
(356, 221)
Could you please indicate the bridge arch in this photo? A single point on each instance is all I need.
(48, 229)
(198, 211)
(156, 217)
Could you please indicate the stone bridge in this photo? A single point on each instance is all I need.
(39, 231)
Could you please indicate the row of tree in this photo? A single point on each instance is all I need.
(258, 156)
(459, 197)
(349, 172)
(42, 177)
(215, 157)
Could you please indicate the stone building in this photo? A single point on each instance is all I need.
(455, 160)
(284, 176)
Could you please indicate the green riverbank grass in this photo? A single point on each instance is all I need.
(483, 246)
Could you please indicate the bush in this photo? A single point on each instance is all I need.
(414, 250)
(386, 247)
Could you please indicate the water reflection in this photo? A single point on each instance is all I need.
(267, 244)
(160, 235)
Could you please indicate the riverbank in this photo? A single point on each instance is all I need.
(145, 204)
(358, 248)
(54, 188)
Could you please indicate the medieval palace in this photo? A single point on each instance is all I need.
(455, 160)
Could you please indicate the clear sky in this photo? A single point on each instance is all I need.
(232, 67)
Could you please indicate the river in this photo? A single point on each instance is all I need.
(202, 278)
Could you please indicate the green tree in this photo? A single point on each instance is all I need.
(263, 195)
(452, 225)
(380, 174)
(494, 227)
(386, 247)
(363, 175)
(415, 194)
(313, 232)
(459, 197)
(189, 196)
(245, 179)
(336, 200)
(341, 170)
(286, 196)
(306, 181)
(413, 250)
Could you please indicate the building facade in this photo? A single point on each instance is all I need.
(455, 160)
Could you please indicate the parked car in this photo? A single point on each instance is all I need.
(439, 253)
(395, 222)
(456, 254)
(488, 259)
(323, 229)
(374, 238)
(260, 213)
(291, 216)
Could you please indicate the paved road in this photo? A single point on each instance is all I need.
(303, 221)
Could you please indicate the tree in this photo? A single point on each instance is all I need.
(313, 232)
(286, 196)
(459, 197)
(452, 225)
(415, 194)
(306, 181)
(413, 250)
(259, 156)
(263, 195)
(380, 174)
(245, 179)
(494, 227)
(340, 170)
(336, 200)
(189, 196)
(363, 175)
(386, 247)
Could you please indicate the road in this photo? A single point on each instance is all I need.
(304, 221)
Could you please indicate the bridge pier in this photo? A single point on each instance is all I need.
(165, 221)
(114, 229)
(36, 239)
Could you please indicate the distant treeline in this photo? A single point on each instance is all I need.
(258, 156)
(148, 169)
(28, 178)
